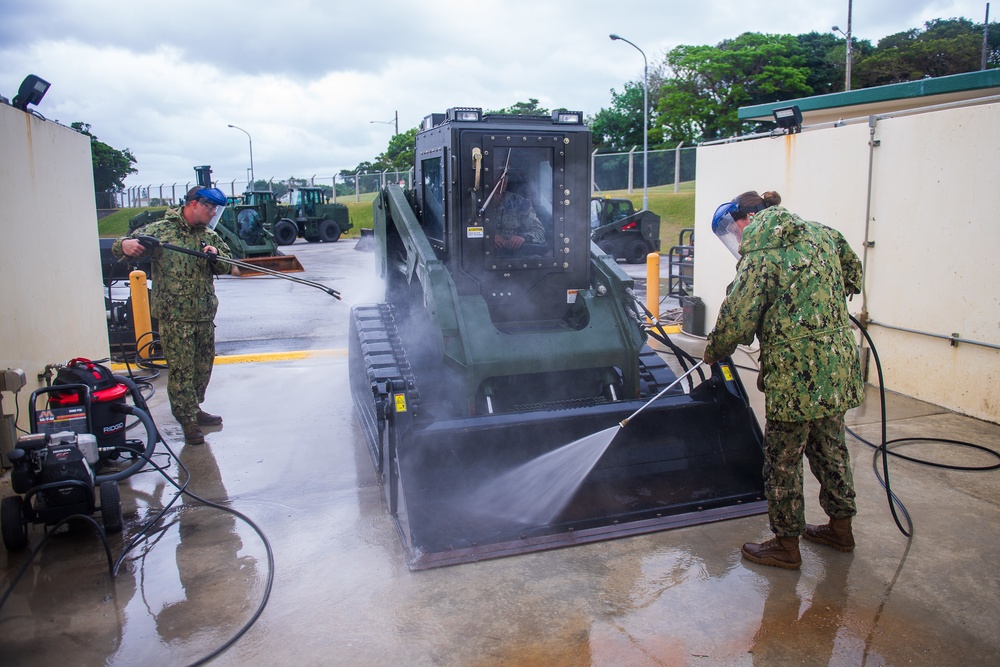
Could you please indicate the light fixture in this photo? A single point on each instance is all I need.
(32, 91)
(468, 114)
(789, 119)
(564, 117)
(389, 122)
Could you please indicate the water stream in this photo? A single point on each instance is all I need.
(535, 492)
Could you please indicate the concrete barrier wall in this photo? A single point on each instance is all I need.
(933, 267)
(51, 306)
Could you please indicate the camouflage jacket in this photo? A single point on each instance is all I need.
(183, 287)
(790, 291)
(516, 217)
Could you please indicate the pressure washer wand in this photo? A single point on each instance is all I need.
(150, 242)
(665, 390)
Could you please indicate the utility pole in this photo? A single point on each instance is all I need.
(986, 37)
(850, 46)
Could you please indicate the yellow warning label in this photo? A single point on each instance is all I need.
(400, 402)
(726, 372)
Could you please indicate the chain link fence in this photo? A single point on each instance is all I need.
(624, 171)
(612, 171)
(351, 187)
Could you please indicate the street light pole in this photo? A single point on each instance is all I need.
(645, 121)
(389, 122)
(850, 47)
(251, 153)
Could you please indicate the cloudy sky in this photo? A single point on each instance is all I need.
(306, 78)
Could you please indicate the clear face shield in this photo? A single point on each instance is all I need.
(725, 227)
(214, 197)
(215, 217)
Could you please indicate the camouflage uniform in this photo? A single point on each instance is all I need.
(517, 217)
(184, 301)
(790, 291)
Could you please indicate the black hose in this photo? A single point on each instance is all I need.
(884, 451)
(147, 421)
(141, 411)
(658, 333)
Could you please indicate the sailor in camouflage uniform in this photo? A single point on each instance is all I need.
(184, 301)
(517, 223)
(790, 292)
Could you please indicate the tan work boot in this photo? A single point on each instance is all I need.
(205, 419)
(836, 534)
(777, 552)
(193, 434)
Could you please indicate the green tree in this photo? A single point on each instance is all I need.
(826, 58)
(529, 108)
(619, 127)
(710, 83)
(944, 47)
(400, 152)
(111, 166)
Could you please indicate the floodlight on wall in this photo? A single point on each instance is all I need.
(32, 91)
(789, 119)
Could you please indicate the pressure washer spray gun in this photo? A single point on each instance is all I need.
(150, 242)
(670, 386)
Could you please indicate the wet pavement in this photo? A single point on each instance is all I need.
(291, 458)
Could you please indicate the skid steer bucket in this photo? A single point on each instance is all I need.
(467, 489)
(282, 263)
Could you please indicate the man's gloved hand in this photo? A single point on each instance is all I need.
(212, 253)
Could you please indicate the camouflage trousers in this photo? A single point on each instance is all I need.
(189, 349)
(823, 443)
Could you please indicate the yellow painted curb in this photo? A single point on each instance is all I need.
(263, 357)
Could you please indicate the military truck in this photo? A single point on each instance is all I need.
(622, 232)
(310, 216)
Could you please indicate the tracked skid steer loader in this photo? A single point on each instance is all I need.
(499, 380)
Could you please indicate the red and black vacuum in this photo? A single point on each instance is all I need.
(79, 428)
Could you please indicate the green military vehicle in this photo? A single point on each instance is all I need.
(622, 232)
(493, 381)
(243, 226)
(310, 216)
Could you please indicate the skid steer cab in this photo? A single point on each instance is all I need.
(505, 338)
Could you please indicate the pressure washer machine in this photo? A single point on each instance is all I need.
(79, 429)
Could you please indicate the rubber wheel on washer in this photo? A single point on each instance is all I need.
(13, 525)
(111, 507)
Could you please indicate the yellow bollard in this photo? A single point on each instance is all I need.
(653, 283)
(140, 314)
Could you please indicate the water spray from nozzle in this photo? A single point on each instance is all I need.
(670, 386)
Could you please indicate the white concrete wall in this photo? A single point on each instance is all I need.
(51, 305)
(935, 223)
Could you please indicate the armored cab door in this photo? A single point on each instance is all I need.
(526, 236)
